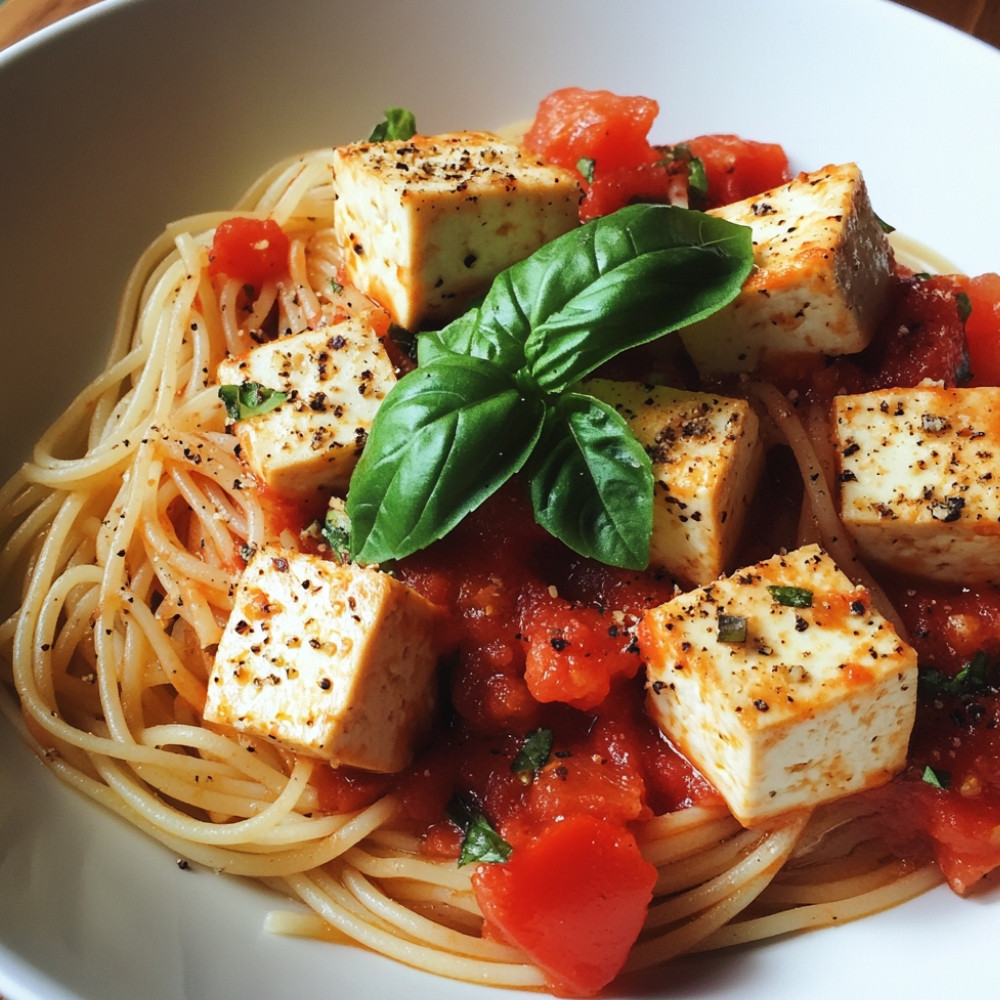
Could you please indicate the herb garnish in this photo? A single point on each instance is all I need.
(585, 165)
(792, 597)
(494, 391)
(980, 674)
(399, 124)
(336, 531)
(533, 755)
(732, 628)
(939, 779)
(481, 843)
(697, 176)
(250, 399)
(964, 306)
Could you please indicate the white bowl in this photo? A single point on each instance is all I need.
(133, 113)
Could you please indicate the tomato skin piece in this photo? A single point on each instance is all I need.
(738, 168)
(249, 250)
(574, 898)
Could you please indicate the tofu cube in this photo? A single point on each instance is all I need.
(707, 458)
(812, 704)
(820, 282)
(425, 225)
(920, 479)
(332, 660)
(336, 378)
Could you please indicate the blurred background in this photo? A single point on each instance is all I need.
(981, 18)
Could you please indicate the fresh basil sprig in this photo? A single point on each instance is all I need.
(495, 388)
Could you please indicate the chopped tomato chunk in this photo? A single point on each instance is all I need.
(645, 182)
(966, 835)
(922, 336)
(346, 789)
(738, 168)
(582, 784)
(604, 137)
(574, 124)
(982, 328)
(249, 250)
(574, 653)
(574, 898)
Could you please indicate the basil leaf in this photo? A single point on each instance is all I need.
(398, 124)
(447, 436)
(697, 176)
(450, 433)
(249, 399)
(534, 754)
(592, 486)
(465, 336)
(614, 283)
(697, 181)
(481, 843)
(621, 281)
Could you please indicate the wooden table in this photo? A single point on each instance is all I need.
(981, 18)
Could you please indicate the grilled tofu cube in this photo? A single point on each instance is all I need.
(426, 224)
(781, 707)
(820, 281)
(707, 459)
(335, 377)
(920, 479)
(332, 660)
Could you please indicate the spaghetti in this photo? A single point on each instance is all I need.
(125, 532)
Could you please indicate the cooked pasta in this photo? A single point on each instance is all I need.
(123, 537)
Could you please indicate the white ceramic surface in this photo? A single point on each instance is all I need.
(135, 112)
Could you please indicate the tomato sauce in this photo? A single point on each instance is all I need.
(544, 639)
